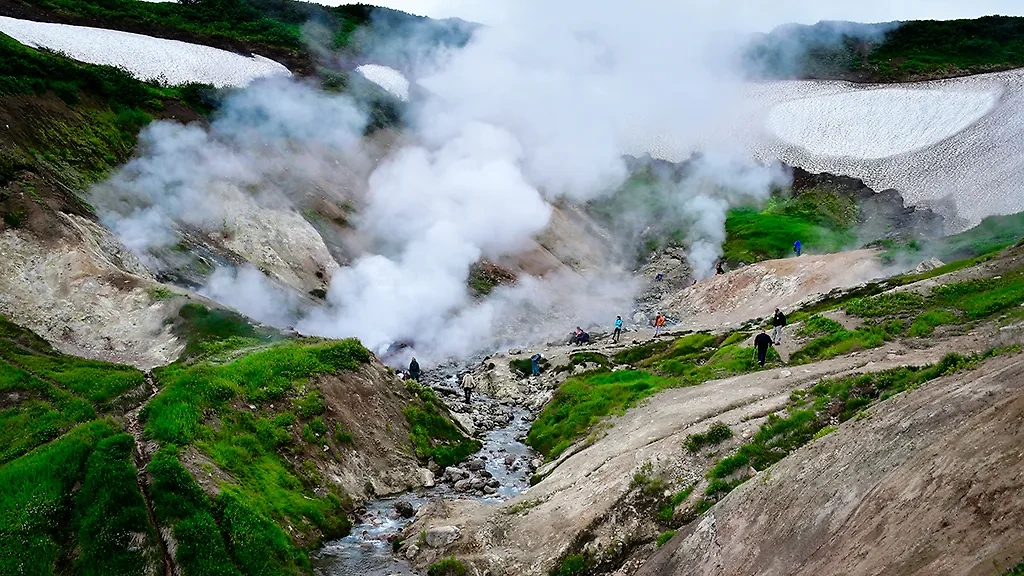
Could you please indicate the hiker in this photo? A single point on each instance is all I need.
(468, 385)
(581, 337)
(658, 277)
(719, 269)
(659, 324)
(535, 364)
(777, 323)
(796, 247)
(618, 329)
(414, 369)
(761, 344)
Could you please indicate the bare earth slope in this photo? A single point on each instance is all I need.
(755, 291)
(581, 491)
(931, 483)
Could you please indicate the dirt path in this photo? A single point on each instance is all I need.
(142, 456)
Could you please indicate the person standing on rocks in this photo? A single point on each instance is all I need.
(659, 324)
(796, 247)
(762, 342)
(618, 329)
(468, 385)
(778, 322)
(535, 364)
(414, 369)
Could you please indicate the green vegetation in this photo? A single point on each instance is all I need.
(716, 434)
(931, 48)
(914, 50)
(37, 502)
(824, 221)
(811, 413)
(523, 367)
(265, 492)
(447, 567)
(980, 243)
(1016, 571)
(664, 537)
(210, 332)
(571, 565)
(109, 511)
(584, 400)
(584, 358)
(433, 435)
(667, 512)
(894, 314)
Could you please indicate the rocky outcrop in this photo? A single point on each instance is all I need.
(930, 483)
(881, 215)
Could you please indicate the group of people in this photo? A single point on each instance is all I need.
(762, 342)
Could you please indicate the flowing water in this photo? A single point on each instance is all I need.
(367, 550)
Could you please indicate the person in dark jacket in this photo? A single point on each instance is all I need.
(414, 369)
(762, 342)
(720, 269)
(777, 323)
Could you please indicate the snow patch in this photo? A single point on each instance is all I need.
(877, 123)
(147, 58)
(387, 78)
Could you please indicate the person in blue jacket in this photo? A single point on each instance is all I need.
(618, 329)
(796, 247)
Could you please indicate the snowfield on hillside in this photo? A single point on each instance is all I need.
(147, 58)
(387, 78)
(951, 145)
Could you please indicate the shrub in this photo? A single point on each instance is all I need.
(718, 432)
(447, 567)
(664, 537)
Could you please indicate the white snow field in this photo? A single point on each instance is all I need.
(387, 78)
(147, 58)
(956, 145)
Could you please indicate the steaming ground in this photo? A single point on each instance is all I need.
(145, 57)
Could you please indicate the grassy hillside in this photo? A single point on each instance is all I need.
(69, 501)
(914, 50)
(66, 126)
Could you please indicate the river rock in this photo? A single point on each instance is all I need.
(509, 460)
(463, 485)
(475, 464)
(490, 489)
(453, 474)
(493, 483)
(478, 483)
(465, 421)
(427, 478)
(442, 536)
(411, 551)
(404, 509)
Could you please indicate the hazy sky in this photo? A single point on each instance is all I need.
(756, 14)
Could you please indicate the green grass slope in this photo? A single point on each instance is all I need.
(906, 51)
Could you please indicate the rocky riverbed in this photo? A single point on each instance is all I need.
(499, 471)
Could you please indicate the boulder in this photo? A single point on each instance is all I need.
(463, 485)
(411, 551)
(442, 536)
(404, 509)
(427, 478)
(475, 464)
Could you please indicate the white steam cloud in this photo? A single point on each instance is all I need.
(531, 113)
